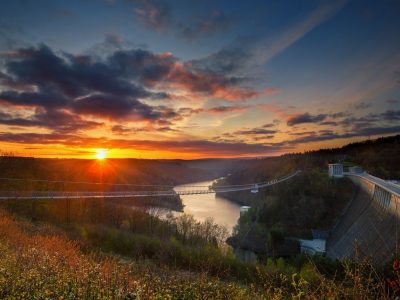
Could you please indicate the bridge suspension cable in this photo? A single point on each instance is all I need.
(129, 194)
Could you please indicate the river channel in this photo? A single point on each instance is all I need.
(223, 211)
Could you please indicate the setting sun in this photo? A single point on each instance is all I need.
(101, 154)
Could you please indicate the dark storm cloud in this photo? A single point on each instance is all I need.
(62, 120)
(144, 66)
(69, 75)
(43, 98)
(113, 87)
(8, 119)
(151, 69)
(57, 120)
(8, 82)
(113, 107)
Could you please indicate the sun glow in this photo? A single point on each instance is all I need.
(101, 154)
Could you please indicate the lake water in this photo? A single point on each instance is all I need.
(223, 211)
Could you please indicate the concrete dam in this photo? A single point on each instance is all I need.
(370, 224)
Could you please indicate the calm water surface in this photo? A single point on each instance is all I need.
(223, 211)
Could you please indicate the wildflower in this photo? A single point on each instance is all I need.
(396, 265)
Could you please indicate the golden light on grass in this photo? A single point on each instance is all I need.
(101, 154)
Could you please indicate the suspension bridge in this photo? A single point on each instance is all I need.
(163, 190)
(368, 227)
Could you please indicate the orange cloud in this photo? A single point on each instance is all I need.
(180, 77)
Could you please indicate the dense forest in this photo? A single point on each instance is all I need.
(134, 171)
(309, 201)
(38, 174)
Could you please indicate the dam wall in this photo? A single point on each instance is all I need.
(370, 226)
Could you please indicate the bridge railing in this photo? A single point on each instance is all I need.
(388, 186)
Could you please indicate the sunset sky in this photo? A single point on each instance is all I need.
(194, 79)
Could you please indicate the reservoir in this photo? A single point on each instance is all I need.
(223, 211)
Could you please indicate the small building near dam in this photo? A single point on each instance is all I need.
(244, 209)
(335, 170)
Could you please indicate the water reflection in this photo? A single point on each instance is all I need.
(223, 211)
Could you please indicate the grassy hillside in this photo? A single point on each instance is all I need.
(41, 261)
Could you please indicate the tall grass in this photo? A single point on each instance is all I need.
(41, 262)
(36, 262)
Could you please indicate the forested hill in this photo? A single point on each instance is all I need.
(135, 171)
(311, 200)
(380, 157)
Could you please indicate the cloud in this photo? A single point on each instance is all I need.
(327, 135)
(43, 98)
(209, 25)
(188, 111)
(69, 75)
(266, 49)
(111, 43)
(56, 120)
(388, 116)
(226, 109)
(305, 118)
(255, 131)
(121, 129)
(154, 14)
(157, 15)
(208, 83)
(346, 120)
(232, 60)
(196, 147)
(391, 115)
(113, 107)
(362, 105)
(166, 71)
(114, 87)
(393, 101)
